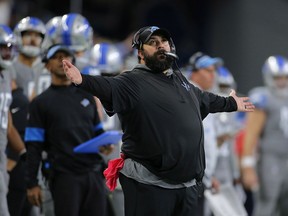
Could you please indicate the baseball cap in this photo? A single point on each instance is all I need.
(145, 33)
(56, 48)
(200, 60)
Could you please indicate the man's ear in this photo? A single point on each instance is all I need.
(140, 54)
(47, 66)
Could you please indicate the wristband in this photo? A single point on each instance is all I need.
(248, 161)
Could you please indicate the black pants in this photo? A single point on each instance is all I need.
(18, 204)
(79, 194)
(146, 200)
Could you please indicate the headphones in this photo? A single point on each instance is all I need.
(194, 59)
(136, 42)
(142, 34)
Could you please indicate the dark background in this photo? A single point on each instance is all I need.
(242, 32)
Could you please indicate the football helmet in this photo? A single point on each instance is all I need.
(29, 24)
(275, 74)
(7, 46)
(53, 32)
(107, 57)
(76, 32)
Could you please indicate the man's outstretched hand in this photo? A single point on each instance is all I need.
(72, 72)
(243, 103)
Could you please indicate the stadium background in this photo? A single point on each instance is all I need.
(242, 32)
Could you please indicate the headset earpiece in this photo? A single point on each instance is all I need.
(172, 46)
(136, 42)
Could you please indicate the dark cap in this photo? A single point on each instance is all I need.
(54, 49)
(145, 33)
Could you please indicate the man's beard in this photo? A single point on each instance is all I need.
(158, 62)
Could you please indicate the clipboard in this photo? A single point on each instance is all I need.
(92, 145)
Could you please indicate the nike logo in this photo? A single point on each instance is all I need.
(14, 110)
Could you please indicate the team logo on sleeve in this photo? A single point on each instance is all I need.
(85, 102)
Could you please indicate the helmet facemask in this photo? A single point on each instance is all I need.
(24, 30)
(7, 46)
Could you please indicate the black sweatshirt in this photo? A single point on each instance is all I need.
(161, 118)
(61, 118)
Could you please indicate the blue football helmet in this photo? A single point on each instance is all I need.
(29, 24)
(107, 58)
(53, 32)
(76, 32)
(7, 46)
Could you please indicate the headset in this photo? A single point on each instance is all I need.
(136, 42)
(143, 34)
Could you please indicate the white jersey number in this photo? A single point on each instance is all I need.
(5, 100)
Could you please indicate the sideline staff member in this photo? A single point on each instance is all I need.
(61, 118)
(161, 116)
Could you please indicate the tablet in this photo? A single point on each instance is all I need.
(92, 145)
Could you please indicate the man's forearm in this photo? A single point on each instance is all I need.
(34, 157)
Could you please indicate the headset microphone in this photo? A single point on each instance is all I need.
(171, 55)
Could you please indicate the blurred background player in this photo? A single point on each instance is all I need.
(53, 32)
(74, 31)
(16, 197)
(264, 161)
(106, 59)
(30, 33)
(52, 36)
(228, 125)
(203, 75)
(8, 131)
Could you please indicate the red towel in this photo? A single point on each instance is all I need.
(112, 172)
